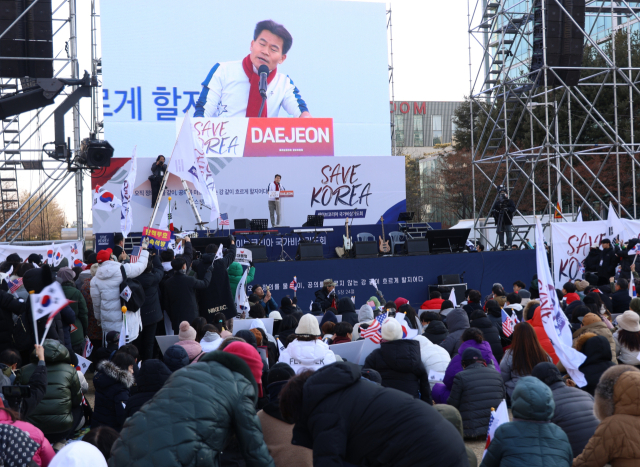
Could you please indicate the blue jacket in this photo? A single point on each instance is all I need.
(531, 439)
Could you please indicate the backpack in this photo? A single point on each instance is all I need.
(137, 292)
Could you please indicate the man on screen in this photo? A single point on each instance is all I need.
(231, 89)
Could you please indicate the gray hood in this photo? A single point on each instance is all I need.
(457, 320)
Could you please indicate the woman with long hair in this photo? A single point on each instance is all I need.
(410, 317)
(627, 338)
(525, 353)
(594, 301)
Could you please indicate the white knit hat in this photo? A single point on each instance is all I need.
(275, 315)
(391, 330)
(308, 326)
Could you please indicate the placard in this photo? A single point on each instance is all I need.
(319, 318)
(164, 342)
(368, 347)
(242, 324)
(349, 351)
(159, 239)
(244, 256)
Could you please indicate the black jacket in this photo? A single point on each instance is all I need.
(347, 309)
(436, 332)
(598, 352)
(112, 395)
(343, 415)
(489, 331)
(37, 383)
(509, 208)
(149, 380)
(475, 390)
(620, 301)
(181, 296)
(218, 296)
(323, 299)
(608, 260)
(9, 306)
(626, 260)
(401, 367)
(151, 311)
(157, 172)
(592, 261)
(471, 307)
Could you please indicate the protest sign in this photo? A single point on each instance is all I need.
(244, 256)
(164, 342)
(349, 351)
(159, 239)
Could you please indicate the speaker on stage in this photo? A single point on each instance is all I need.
(242, 224)
(258, 252)
(445, 279)
(416, 246)
(366, 249)
(309, 251)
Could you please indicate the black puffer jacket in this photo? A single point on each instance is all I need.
(476, 389)
(592, 261)
(620, 301)
(149, 380)
(608, 262)
(218, 297)
(151, 311)
(180, 291)
(626, 260)
(489, 331)
(213, 400)
(323, 298)
(53, 414)
(112, 395)
(342, 413)
(436, 332)
(574, 408)
(598, 352)
(347, 309)
(9, 306)
(400, 366)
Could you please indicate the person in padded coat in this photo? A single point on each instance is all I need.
(617, 405)
(112, 381)
(150, 379)
(151, 311)
(180, 291)
(399, 362)
(478, 319)
(457, 322)
(212, 400)
(574, 408)
(531, 439)
(345, 418)
(434, 328)
(347, 309)
(218, 296)
(105, 288)
(475, 391)
(10, 306)
(598, 353)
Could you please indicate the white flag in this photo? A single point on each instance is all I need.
(497, 418)
(311, 306)
(218, 253)
(104, 200)
(126, 193)
(373, 283)
(49, 302)
(553, 318)
(189, 163)
(242, 301)
(579, 216)
(452, 297)
(615, 227)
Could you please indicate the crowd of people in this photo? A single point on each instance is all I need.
(290, 395)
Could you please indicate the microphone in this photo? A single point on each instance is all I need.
(263, 71)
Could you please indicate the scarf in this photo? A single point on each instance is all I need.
(275, 183)
(255, 99)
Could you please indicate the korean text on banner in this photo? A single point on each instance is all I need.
(126, 193)
(159, 239)
(244, 256)
(553, 318)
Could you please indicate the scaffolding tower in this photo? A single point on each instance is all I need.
(559, 150)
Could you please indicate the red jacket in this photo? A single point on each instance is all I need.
(545, 342)
(433, 304)
(45, 452)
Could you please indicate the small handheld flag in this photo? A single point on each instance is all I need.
(374, 331)
(49, 302)
(508, 323)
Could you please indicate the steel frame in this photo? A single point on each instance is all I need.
(501, 28)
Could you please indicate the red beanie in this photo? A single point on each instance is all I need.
(251, 357)
(104, 255)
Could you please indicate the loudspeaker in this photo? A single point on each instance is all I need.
(241, 224)
(445, 290)
(258, 252)
(309, 251)
(366, 249)
(445, 279)
(416, 246)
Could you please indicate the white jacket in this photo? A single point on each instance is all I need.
(105, 292)
(433, 356)
(301, 355)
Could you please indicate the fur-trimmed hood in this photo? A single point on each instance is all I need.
(115, 373)
(532, 305)
(580, 341)
(606, 397)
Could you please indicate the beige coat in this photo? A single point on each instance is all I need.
(277, 436)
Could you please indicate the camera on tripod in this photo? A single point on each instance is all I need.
(14, 395)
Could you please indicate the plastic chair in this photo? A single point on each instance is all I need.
(397, 238)
(366, 237)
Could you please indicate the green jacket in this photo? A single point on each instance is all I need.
(531, 439)
(194, 416)
(53, 413)
(235, 272)
(79, 307)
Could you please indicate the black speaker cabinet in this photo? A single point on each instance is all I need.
(366, 249)
(258, 252)
(445, 290)
(416, 246)
(445, 279)
(309, 251)
(241, 224)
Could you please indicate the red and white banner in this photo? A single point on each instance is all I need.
(264, 137)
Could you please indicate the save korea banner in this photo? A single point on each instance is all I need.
(572, 241)
(263, 137)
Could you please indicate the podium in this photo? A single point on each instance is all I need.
(278, 196)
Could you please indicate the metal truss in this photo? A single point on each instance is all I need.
(538, 140)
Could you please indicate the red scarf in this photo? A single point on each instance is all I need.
(255, 99)
(276, 183)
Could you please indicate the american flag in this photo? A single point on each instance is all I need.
(135, 255)
(15, 284)
(224, 218)
(508, 323)
(374, 331)
(294, 284)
